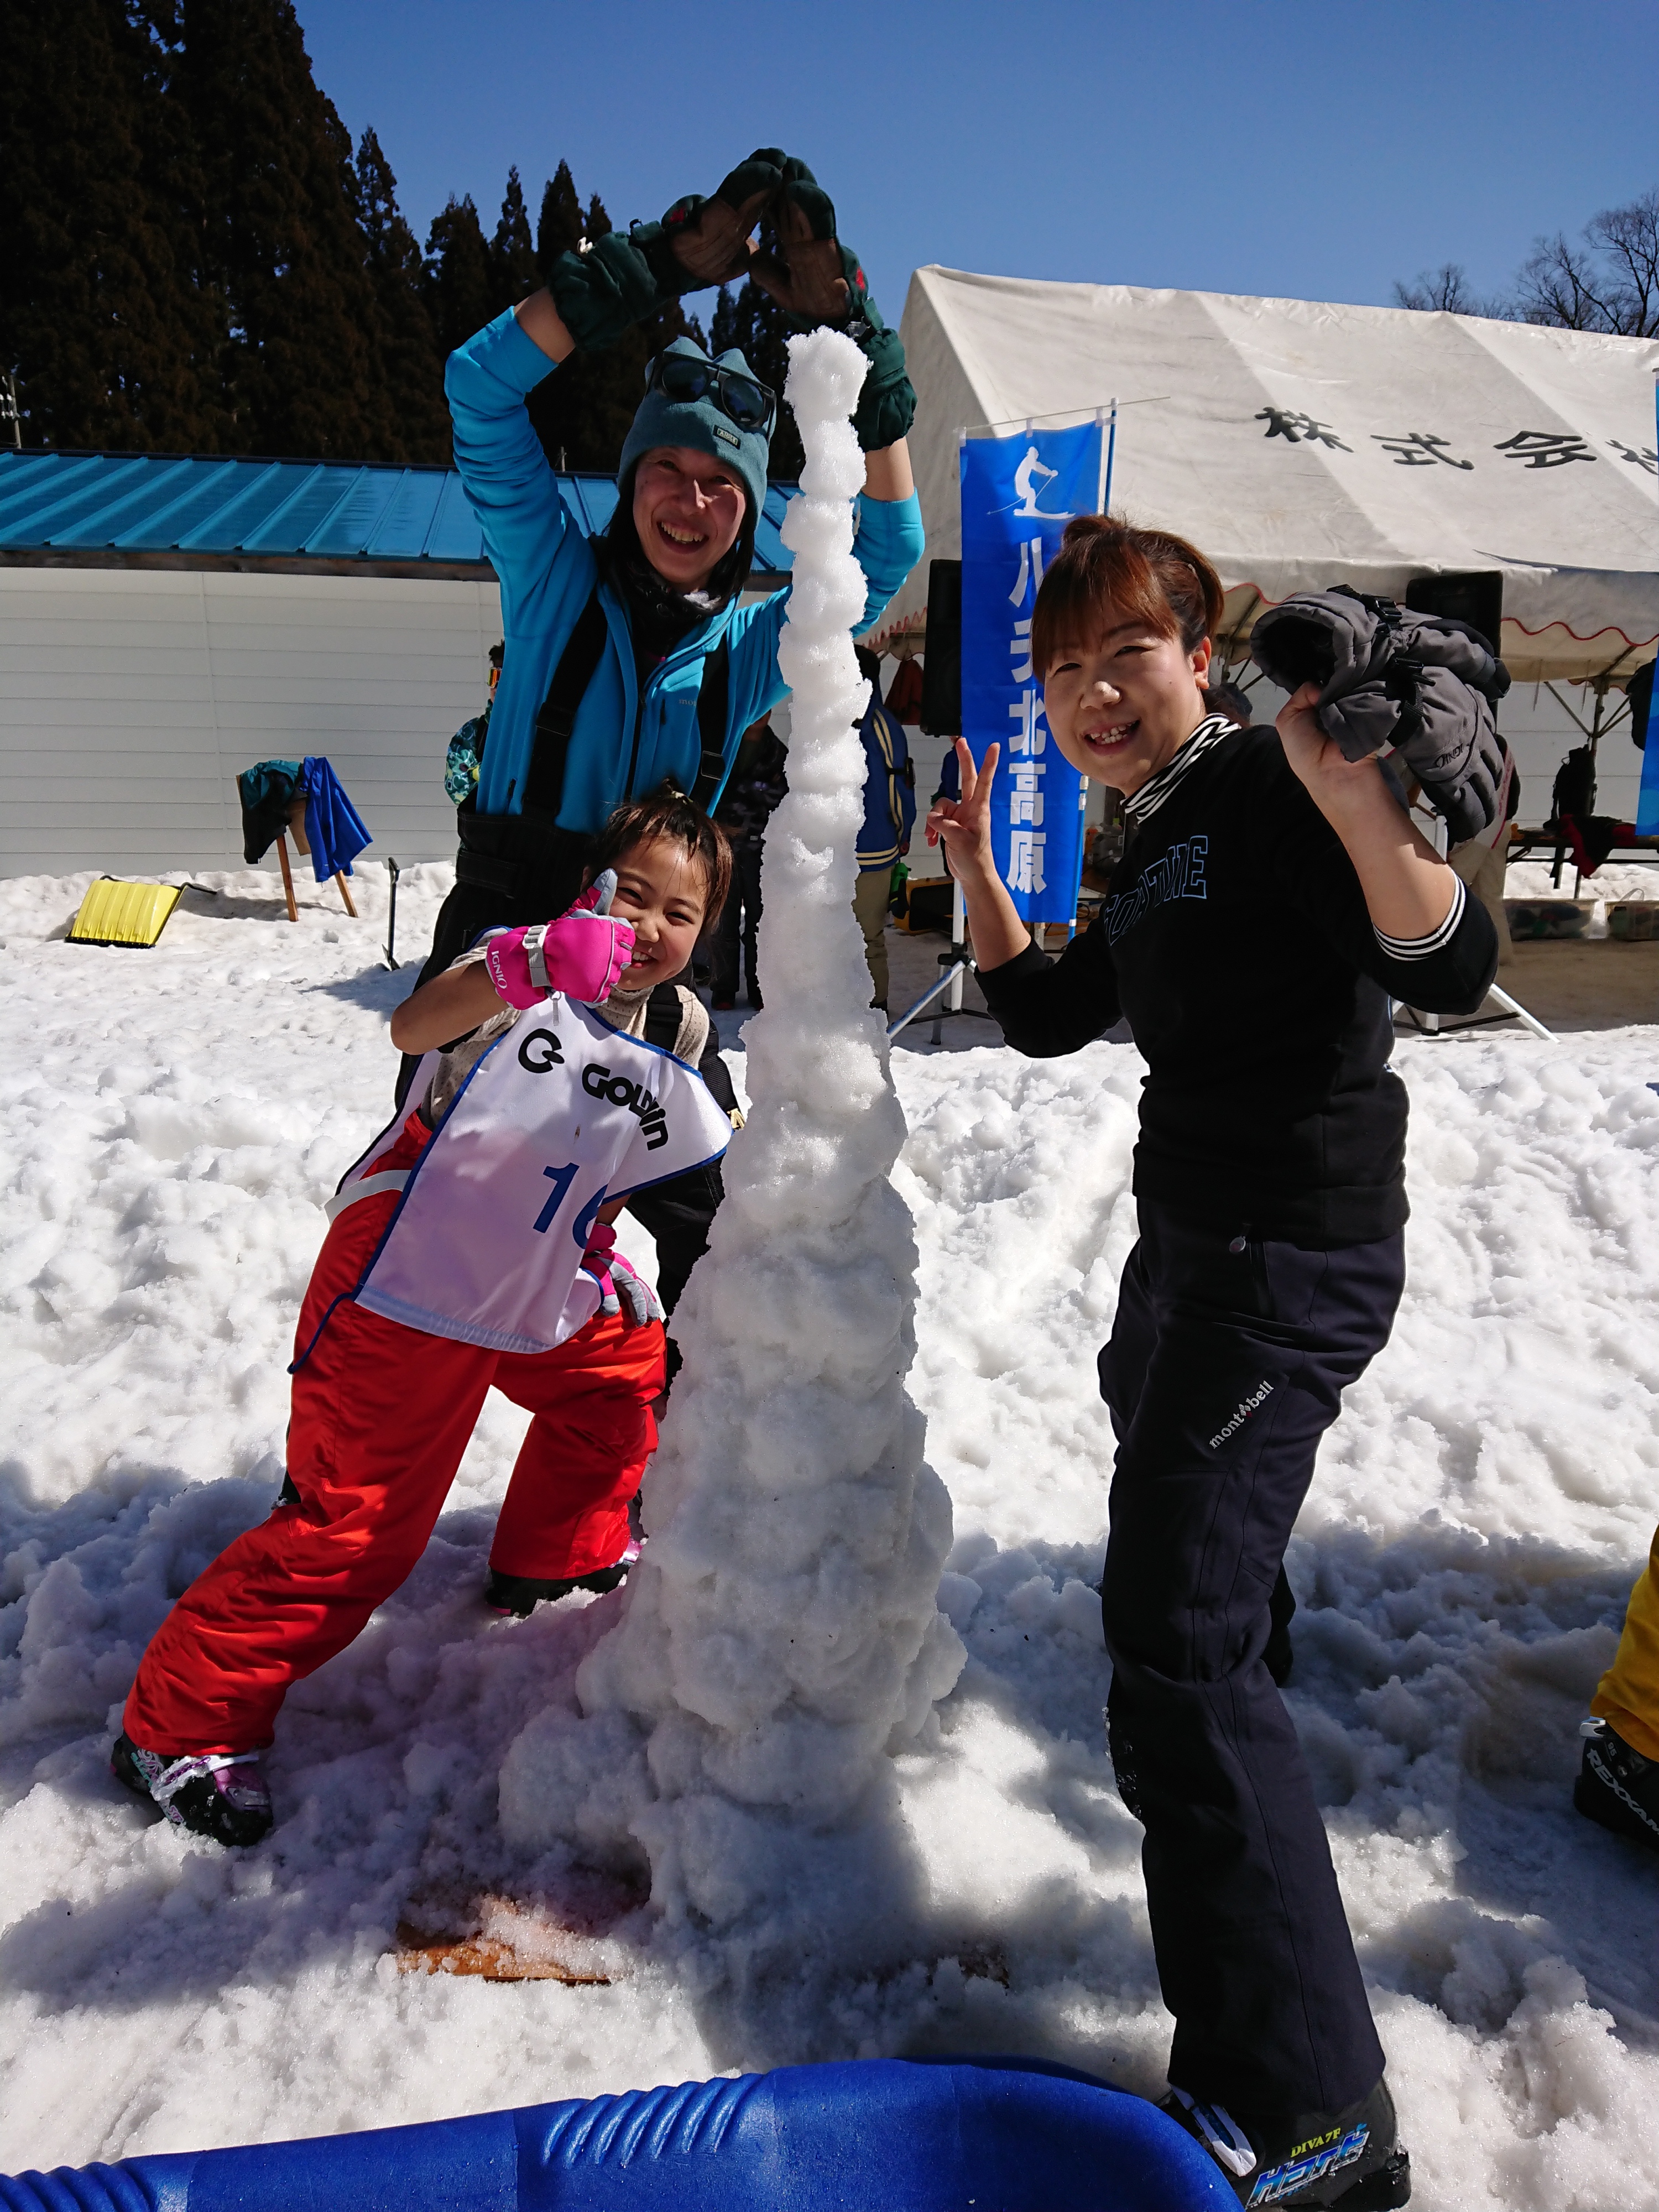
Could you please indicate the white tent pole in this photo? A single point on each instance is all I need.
(1441, 841)
(1514, 1007)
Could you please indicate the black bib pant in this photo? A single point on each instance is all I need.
(732, 947)
(1226, 1364)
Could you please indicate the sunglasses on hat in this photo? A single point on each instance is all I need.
(742, 400)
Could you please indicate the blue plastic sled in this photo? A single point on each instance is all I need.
(885, 2135)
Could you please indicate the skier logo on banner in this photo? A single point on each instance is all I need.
(1017, 495)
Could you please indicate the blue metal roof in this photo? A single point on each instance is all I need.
(58, 502)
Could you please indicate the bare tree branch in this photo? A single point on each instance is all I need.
(1560, 285)
(1610, 282)
(1444, 289)
(1629, 237)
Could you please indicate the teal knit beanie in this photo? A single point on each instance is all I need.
(702, 425)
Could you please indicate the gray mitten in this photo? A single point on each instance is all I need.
(627, 276)
(1447, 740)
(1423, 684)
(815, 279)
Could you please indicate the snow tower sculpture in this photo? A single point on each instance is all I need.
(781, 1635)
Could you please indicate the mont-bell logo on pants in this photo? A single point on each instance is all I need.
(1242, 1414)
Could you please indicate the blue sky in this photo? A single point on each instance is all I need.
(1279, 146)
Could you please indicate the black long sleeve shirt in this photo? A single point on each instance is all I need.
(1237, 941)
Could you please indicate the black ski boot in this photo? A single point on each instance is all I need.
(520, 1594)
(223, 1794)
(1618, 1786)
(1350, 2159)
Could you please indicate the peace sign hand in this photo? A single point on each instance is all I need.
(964, 825)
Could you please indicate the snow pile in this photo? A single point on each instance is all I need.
(781, 1635)
(171, 1123)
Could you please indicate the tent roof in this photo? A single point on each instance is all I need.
(1278, 435)
(58, 505)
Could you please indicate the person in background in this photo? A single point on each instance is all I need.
(890, 813)
(757, 785)
(1482, 863)
(1619, 1782)
(466, 747)
(904, 692)
(1227, 699)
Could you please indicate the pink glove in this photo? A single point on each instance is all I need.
(619, 1285)
(580, 956)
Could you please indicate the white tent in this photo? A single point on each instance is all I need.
(1303, 445)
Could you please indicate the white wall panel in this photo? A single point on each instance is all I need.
(129, 700)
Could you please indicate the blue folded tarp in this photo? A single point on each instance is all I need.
(885, 2135)
(335, 832)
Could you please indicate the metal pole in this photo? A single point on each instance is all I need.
(1431, 1021)
(394, 872)
(1514, 1007)
(927, 997)
(958, 940)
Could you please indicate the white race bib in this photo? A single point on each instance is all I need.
(559, 1115)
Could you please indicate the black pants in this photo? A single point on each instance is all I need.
(735, 932)
(1225, 1368)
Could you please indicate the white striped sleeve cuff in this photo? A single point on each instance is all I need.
(1420, 948)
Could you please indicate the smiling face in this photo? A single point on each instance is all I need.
(1123, 706)
(661, 889)
(688, 510)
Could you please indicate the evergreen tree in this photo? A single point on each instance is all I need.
(512, 269)
(409, 357)
(559, 228)
(280, 239)
(460, 289)
(112, 343)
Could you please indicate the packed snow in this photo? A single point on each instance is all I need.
(782, 1638)
(171, 1121)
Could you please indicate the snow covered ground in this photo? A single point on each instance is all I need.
(171, 1118)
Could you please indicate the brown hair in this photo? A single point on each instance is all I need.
(669, 814)
(1145, 575)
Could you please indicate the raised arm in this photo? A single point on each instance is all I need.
(1409, 889)
(542, 323)
(510, 485)
(963, 826)
(1427, 942)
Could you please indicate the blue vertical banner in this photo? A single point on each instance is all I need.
(1647, 801)
(1017, 495)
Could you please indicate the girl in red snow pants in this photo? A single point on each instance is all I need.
(381, 1415)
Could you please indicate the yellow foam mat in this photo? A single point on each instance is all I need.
(114, 913)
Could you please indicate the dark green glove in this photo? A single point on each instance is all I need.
(627, 276)
(816, 280)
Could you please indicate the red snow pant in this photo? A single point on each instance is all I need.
(381, 1415)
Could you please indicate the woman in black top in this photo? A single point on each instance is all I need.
(1271, 899)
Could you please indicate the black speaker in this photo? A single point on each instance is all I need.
(1639, 692)
(1474, 596)
(941, 667)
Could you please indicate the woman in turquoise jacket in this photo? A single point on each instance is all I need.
(628, 657)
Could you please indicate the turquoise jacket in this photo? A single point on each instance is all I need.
(547, 575)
